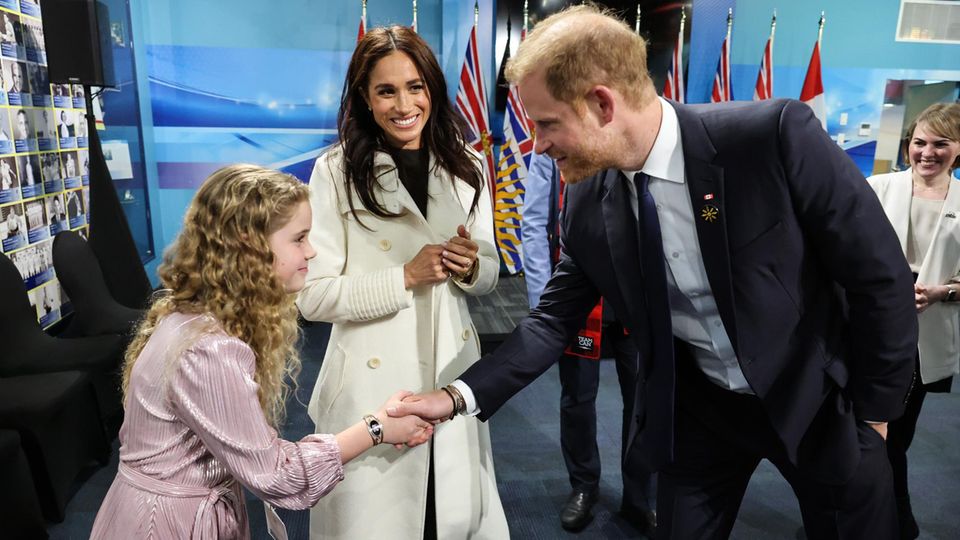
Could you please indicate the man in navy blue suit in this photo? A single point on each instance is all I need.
(767, 293)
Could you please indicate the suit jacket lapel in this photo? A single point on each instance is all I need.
(705, 183)
(622, 241)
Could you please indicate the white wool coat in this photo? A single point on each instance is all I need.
(386, 338)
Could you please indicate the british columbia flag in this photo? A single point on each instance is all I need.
(515, 156)
(472, 104)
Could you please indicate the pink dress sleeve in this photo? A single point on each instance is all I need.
(214, 393)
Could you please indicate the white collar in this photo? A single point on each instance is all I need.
(665, 160)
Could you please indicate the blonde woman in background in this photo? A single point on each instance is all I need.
(923, 204)
(204, 376)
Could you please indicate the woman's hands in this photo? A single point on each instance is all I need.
(460, 253)
(926, 295)
(437, 262)
(426, 267)
(407, 430)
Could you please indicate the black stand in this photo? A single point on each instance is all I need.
(110, 236)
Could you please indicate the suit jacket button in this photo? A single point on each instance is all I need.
(466, 334)
(373, 363)
(385, 245)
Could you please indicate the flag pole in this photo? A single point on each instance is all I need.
(414, 15)
(823, 19)
(773, 31)
(526, 16)
(637, 24)
(729, 22)
(363, 12)
(773, 26)
(683, 21)
(476, 13)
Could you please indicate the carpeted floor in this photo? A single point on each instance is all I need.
(533, 482)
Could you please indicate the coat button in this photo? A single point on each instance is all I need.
(373, 363)
(385, 245)
(466, 334)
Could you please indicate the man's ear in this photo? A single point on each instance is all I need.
(600, 100)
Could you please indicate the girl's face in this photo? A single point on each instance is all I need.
(291, 249)
(398, 100)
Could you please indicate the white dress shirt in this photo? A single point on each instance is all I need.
(693, 309)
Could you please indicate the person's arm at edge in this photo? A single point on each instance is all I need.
(537, 266)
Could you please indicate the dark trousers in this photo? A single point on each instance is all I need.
(579, 382)
(901, 431)
(720, 438)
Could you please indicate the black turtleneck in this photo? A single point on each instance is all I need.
(412, 166)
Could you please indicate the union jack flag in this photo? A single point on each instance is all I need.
(515, 156)
(721, 81)
(764, 86)
(472, 104)
(673, 87)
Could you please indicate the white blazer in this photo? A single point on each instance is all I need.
(939, 324)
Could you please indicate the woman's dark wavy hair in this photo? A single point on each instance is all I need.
(361, 137)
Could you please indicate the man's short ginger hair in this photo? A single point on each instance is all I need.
(583, 46)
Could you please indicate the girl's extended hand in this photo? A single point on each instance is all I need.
(408, 430)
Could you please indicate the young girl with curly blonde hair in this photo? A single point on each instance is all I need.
(204, 378)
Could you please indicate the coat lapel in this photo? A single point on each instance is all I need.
(705, 183)
(945, 231)
(896, 203)
(395, 197)
(622, 238)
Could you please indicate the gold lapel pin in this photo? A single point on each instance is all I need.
(709, 213)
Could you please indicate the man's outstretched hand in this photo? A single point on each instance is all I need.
(435, 406)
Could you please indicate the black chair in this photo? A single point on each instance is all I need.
(20, 515)
(57, 420)
(96, 312)
(28, 350)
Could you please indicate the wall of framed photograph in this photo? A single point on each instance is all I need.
(44, 158)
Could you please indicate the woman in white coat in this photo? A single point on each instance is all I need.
(923, 204)
(403, 224)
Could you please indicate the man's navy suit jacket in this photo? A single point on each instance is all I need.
(808, 275)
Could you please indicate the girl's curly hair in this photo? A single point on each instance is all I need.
(221, 264)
